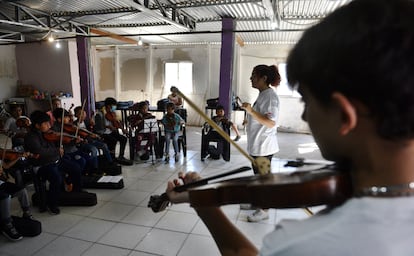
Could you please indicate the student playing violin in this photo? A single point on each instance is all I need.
(355, 73)
(93, 143)
(111, 134)
(47, 164)
(85, 162)
(137, 122)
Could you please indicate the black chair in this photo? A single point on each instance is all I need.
(222, 146)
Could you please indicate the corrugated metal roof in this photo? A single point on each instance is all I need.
(161, 21)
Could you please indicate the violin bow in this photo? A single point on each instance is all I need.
(3, 173)
(61, 126)
(214, 125)
(50, 102)
(81, 113)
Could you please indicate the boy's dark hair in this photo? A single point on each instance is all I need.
(219, 107)
(141, 104)
(39, 117)
(364, 50)
(57, 113)
(110, 101)
(77, 110)
(170, 105)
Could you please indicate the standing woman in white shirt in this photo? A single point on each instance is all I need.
(262, 121)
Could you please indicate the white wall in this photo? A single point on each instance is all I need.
(206, 74)
(50, 69)
(35, 62)
(8, 72)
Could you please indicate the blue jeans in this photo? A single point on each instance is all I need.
(168, 137)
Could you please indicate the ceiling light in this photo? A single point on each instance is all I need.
(57, 45)
(51, 38)
(139, 41)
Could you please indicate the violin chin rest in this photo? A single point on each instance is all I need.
(263, 165)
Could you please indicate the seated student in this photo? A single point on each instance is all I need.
(220, 119)
(355, 73)
(55, 103)
(172, 124)
(8, 190)
(10, 126)
(73, 157)
(111, 133)
(174, 98)
(47, 164)
(212, 134)
(137, 123)
(93, 140)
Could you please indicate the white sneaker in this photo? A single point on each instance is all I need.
(258, 215)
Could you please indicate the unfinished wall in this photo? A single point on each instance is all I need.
(8, 72)
(49, 69)
(138, 74)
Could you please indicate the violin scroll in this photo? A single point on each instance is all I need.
(159, 203)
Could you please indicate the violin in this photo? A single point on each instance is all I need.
(9, 154)
(327, 186)
(53, 136)
(111, 116)
(23, 122)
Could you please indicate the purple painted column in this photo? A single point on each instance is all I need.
(85, 73)
(226, 64)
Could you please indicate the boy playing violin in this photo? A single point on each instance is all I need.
(355, 72)
(74, 158)
(137, 122)
(111, 133)
(93, 140)
(47, 164)
(50, 162)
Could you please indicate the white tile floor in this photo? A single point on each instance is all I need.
(121, 223)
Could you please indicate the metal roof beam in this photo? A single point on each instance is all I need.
(181, 20)
(50, 23)
(195, 4)
(94, 12)
(12, 37)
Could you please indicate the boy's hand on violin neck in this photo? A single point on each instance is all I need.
(189, 177)
(181, 197)
(176, 197)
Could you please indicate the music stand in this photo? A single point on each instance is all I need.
(150, 126)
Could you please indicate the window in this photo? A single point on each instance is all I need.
(180, 75)
(283, 88)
